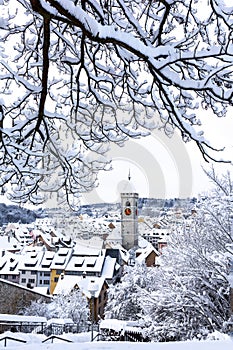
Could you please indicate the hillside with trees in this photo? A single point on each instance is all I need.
(14, 213)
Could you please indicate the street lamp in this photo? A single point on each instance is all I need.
(92, 288)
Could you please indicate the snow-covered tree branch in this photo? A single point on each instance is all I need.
(73, 306)
(78, 75)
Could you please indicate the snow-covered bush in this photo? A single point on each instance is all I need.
(73, 305)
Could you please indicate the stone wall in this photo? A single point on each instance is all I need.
(14, 297)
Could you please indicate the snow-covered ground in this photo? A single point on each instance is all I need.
(80, 342)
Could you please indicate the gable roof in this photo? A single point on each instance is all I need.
(67, 283)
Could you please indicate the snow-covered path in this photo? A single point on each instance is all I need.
(80, 342)
(197, 345)
(211, 345)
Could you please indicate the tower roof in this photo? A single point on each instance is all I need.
(127, 186)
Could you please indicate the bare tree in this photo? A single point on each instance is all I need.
(78, 75)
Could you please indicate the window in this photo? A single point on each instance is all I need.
(46, 265)
(23, 272)
(91, 264)
(63, 253)
(23, 280)
(60, 262)
(46, 282)
(31, 280)
(33, 272)
(55, 279)
(30, 264)
(47, 274)
(14, 277)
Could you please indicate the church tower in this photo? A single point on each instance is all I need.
(129, 216)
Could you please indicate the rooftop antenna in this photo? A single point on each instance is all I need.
(129, 176)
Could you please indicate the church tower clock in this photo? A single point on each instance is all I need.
(129, 216)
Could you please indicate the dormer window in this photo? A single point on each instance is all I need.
(78, 265)
(90, 262)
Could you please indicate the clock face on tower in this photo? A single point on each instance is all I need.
(127, 211)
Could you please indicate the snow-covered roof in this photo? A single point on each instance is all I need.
(23, 234)
(9, 243)
(31, 260)
(46, 261)
(19, 318)
(159, 234)
(61, 258)
(115, 234)
(9, 264)
(87, 263)
(145, 252)
(123, 252)
(41, 290)
(85, 285)
(66, 284)
(46, 237)
(109, 267)
(91, 247)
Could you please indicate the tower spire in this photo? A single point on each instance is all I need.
(129, 176)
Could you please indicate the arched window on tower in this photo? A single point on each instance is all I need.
(127, 204)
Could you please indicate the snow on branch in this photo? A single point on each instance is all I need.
(79, 75)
